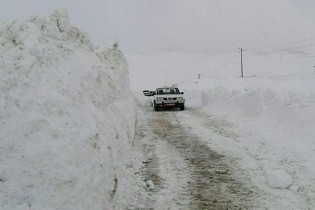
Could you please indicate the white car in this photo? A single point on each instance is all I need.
(146, 92)
(168, 97)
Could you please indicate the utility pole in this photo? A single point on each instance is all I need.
(242, 74)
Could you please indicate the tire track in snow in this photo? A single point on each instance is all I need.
(163, 165)
(212, 184)
(187, 173)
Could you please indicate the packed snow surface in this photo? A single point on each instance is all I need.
(271, 111)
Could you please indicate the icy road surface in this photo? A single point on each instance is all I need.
(186, 171)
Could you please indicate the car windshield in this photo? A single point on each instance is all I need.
(161, 91)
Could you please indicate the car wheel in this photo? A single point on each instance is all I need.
(156, 108)
(182, 107)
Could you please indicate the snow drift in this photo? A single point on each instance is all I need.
(66, 119)
(274, 118)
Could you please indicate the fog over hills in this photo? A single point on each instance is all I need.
(181, 25)
(208, 26)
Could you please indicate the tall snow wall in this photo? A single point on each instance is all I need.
(66, 119)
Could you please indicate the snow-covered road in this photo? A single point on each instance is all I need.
(187, 173)
(72, 137)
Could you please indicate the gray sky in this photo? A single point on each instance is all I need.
(131, 21)
(305, 6)
(164, 24)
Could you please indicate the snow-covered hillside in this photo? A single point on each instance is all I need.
(183, 68)
(67, 120)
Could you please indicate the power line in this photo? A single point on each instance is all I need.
(292, 48)
(280, 45)
(280, 49)
(222, 64)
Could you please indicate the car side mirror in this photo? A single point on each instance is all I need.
(181, 92)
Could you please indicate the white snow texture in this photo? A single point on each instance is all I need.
(66, 118)
(270, 113)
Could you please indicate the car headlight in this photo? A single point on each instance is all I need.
(158, 99)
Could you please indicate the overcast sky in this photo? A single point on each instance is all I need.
(133, 21)
(306, 6)
(129, 20)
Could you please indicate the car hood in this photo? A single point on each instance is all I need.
(170, 95)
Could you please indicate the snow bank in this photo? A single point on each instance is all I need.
(66, 119)
(275, 120)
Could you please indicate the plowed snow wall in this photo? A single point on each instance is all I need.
(66, 118)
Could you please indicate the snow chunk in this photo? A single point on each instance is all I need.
(61, 17)
(109, 44)
(110, 53)
(294, 188)
(278, 178)
(150, 184)
(34, 31)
